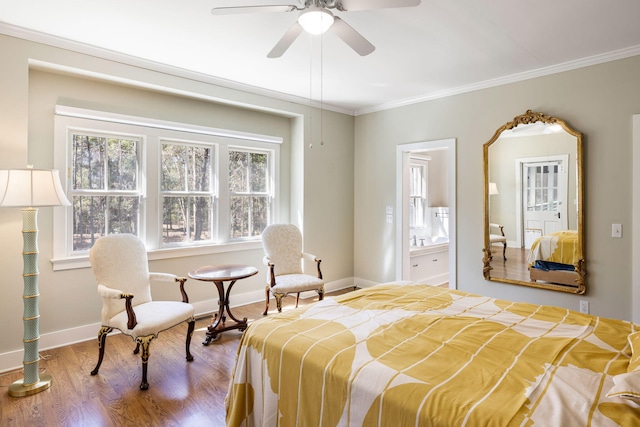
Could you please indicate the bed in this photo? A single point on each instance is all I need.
(407, 354)
(554, 257)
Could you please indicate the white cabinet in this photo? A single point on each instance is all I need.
(430, 264)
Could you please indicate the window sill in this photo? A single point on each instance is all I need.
(77, 262)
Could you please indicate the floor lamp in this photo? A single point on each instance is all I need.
(29, 189)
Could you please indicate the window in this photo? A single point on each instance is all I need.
(417, 193)
(105, 190)
(187, 193)
(179, 187)
(249, 199)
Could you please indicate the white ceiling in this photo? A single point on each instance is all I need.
(438, 48)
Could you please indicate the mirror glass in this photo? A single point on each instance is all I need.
(533, 198)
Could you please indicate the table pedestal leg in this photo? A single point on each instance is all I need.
(218, 321)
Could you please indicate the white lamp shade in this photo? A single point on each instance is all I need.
(493, 188)
(31, 188)
(315, 20)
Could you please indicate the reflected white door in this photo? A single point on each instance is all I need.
(544, 197)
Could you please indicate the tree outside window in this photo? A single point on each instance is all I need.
(105, 194)
(249, 198)
(187, 193)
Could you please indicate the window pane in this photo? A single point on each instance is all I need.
(186, 219)
(89, 220)
(88, 162)
(259, 214)
(238, 217)
(199, 167)
(200, 223)
(258, 172)
(123, 214)
(123, 164)
(173, 167)
(416, 212)
(238, 170)
(174, 223)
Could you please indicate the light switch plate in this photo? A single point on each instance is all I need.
(616, 230)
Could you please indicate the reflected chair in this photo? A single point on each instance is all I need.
(498, 238)
(282, 244)
(120, 266)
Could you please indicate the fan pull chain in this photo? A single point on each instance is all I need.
(321, 87)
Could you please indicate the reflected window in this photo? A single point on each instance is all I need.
(542, 186)
(417, 193)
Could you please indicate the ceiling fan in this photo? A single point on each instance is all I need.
(316, 17)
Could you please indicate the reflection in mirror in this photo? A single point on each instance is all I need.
(533, 193)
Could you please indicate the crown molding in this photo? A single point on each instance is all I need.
(83, 48)
(111, 55)
(513, 78)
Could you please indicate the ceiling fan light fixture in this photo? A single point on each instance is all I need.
(315, 20)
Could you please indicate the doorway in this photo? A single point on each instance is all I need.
(541, 197)
(404, 153)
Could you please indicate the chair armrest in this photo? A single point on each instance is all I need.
(272, 272)
(168, 277)
(311, 257)
(162, 277)
(498, 226)
(107, 292)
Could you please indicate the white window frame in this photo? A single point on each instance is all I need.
(270, 185)
(140, 178)
(153, 132)
(423, 164)
(213, 191)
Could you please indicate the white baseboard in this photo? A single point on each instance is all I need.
(13, 359)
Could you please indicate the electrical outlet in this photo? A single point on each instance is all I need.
(584, 307)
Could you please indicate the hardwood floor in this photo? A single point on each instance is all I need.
(515, 267)
(180, 393)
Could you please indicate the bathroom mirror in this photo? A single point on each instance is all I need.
(534, 204)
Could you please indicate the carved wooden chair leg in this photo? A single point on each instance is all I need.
(279, 301)
(504, 252)
(144, 342)
(266, 308)
(321, 294)
(192, 325)
(102, 339)
(137, 349)
(297, 299)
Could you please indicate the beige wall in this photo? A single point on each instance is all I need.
(598, 101)
(316, 187)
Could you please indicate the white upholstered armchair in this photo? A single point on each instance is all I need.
(496, 235)
(282, 245)
(120, 266)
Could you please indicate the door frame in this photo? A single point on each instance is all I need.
(403, 152)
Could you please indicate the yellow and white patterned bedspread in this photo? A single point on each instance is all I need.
(417, 355)
(560, 247)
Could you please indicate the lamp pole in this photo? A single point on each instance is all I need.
(32, 382)
(28, 189)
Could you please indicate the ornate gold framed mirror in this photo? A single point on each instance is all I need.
(534, 204)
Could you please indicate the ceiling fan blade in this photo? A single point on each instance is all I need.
(377, 4)
(283, 44)
(231, 10)
(351, 37)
